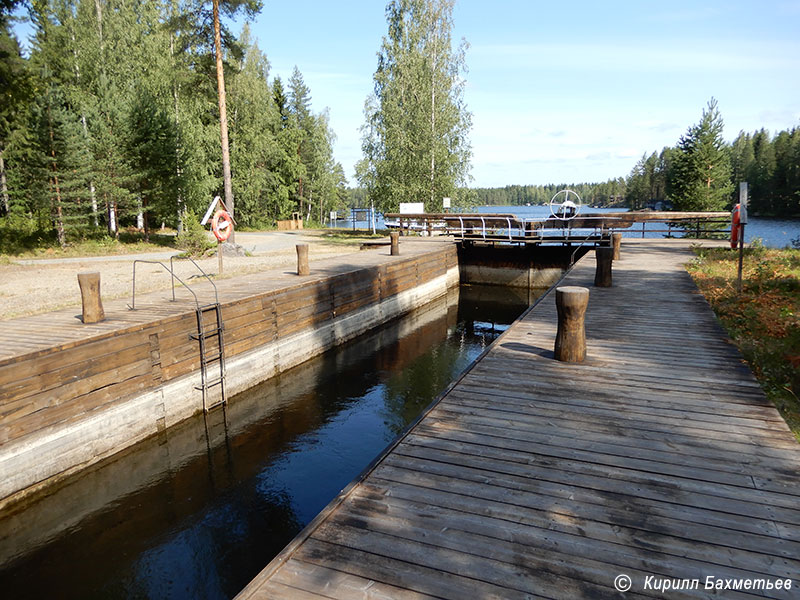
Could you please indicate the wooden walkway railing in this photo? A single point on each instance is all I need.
(512, 229)
(656, 460)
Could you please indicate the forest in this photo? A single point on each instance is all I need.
(701, 172)
(111, 121)
(608, 194)
(769, 164)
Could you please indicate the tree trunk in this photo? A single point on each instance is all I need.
(223, 117)
(299, 186)
(178, 172)
(92, 193)
(56, 201)
(112, 221)
(4, 184)
(146, 219)
(433, 122)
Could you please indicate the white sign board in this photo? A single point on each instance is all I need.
(445, 202)
(412, 208)
(210, 210)
(743, 203)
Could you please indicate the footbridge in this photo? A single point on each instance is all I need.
(560, 228)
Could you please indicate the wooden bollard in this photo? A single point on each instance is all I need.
(90, 297)
(616, 242)
(302, 259)
(394, 236)
(602, 274)
(571, 303)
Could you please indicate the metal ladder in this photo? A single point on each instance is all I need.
(203, 335)
(211, 355)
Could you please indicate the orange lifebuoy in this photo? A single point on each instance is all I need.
(735, 227)
(222, 225)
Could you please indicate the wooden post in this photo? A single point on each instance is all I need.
(90, 297)
(219, 256)
(394, 236)
(302, 259)
(741, 259)
(571, 303)
(616, 242)
(602, 274)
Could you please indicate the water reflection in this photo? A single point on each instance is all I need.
(197, 512)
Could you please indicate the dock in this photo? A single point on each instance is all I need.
(657, 464)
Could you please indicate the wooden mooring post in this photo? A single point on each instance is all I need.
(91, 302)
(394, 236)
(571, 303)
(616, 242)
(302, 259)
(602, 275)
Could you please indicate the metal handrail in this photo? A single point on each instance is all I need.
(203, 273)
(574, 252)
(491, 225)
(132, 305)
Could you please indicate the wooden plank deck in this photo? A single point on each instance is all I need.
(62, 329)
(658, 457)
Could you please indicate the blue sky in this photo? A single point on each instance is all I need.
(565, 91)
(561, 91)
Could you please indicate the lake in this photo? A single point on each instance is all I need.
(773, 233)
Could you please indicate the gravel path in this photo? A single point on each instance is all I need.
(33, 286)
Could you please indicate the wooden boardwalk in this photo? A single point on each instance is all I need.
(659, 458)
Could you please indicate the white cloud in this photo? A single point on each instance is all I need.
(716, 55)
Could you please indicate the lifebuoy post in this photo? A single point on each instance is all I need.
(735, 226)
(740, 220)
(221, 224)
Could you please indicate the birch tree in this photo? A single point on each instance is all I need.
(415, 137)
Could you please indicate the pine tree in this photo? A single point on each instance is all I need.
(255, 153)
(761, 173)
(300, 118)
(218, 32)
(16, 91)
(700, 175)
(786, 177)
(281, 101)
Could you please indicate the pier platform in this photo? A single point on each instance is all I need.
(656, 462)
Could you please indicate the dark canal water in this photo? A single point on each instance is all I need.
(198, 512)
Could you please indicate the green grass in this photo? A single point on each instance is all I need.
(106, 246)
(764, 319)
(348, 236)
(21, 238)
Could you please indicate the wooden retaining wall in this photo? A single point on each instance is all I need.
(79, 400)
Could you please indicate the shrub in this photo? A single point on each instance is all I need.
(194, 239)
